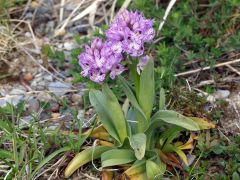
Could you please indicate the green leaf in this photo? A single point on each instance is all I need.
(162, 99)
(84, 157)
(235, 176)
(175, 118)
(138, 143)
(138, 167)
(170, 134)
(117, 157)
(154, 171)
(137, 112)
(110, 113)
(147, 89)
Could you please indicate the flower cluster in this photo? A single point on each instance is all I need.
(99, 59)
(127, 33)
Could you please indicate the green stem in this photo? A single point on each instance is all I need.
(135, 76)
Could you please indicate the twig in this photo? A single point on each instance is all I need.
(112, 10)
(170, 5)
(61, 10)
(227, 79)
(125, 5)
(233, 69)
(89, 177)
(206, 68)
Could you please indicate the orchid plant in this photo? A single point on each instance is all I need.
(138, 136)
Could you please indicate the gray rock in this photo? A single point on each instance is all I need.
(33, 105)
(59, 88)
(44, 96)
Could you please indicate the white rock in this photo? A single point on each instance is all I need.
(221, 94)
(211, 99)
(69, 45)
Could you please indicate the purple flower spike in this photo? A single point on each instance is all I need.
(99, 59)
(129, 32)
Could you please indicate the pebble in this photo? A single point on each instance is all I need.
(77, 98)
(33, 105)
(54, 107)
(44, 96)
(219, 94)
(27, 77)
(55, 115)
(69, 45)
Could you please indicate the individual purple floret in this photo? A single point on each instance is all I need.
(142, 63)
(99, 59)
(129, 32)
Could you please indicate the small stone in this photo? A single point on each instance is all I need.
(221, 94)
(27, 77)
(33, 105)
(77, 98)
(55, 115)
(211, 99)
(44, 96)
(28, 34)
(69, 45)
(55, 107)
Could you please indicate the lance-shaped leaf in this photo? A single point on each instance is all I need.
(147, 89)
(138, 167)
(84, 157)
(117, 157)
(175, 118)
(130, 95)
(137, 112)
(110, 112)
(162, 99)
(203, 123)
(138, 143)
(154, 171)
